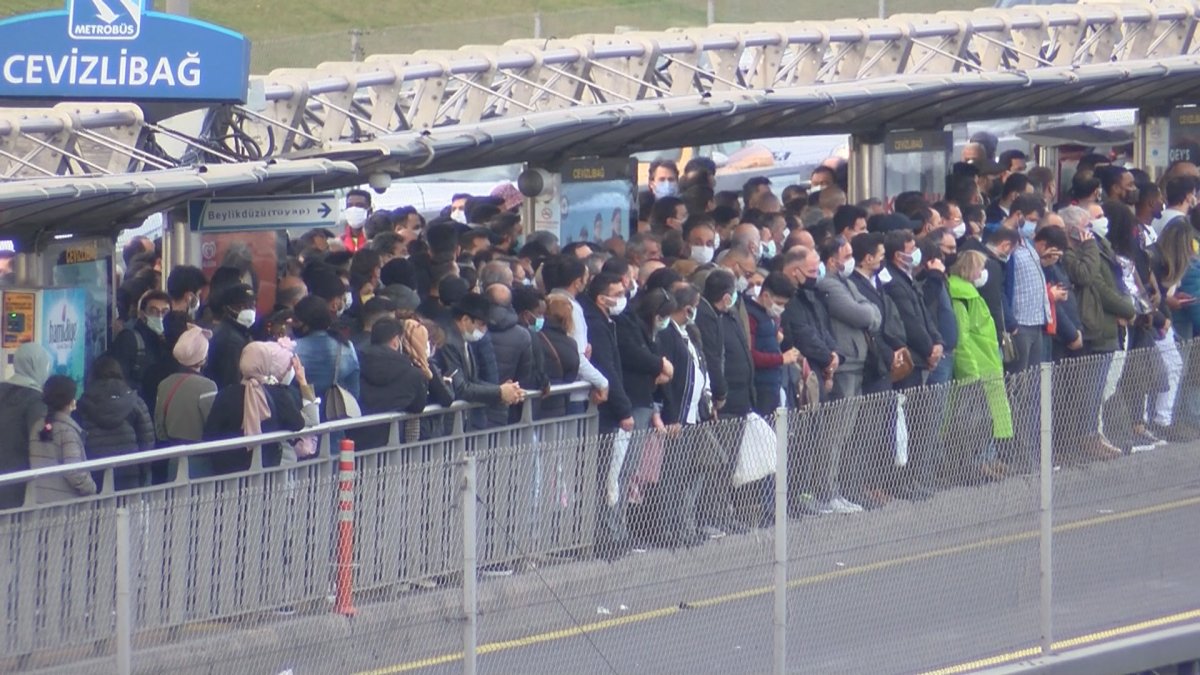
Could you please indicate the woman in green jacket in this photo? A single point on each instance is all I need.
(977, 363)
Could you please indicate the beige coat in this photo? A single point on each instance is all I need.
(64, 447)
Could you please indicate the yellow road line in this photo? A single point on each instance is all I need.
(1072, 643)
(990, 542)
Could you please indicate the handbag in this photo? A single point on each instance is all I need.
(904, 366)
(339, 403)
(1008, 350)
(756, 453)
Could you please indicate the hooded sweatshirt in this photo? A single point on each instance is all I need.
(21, 408)
(389, 383)
(115, 418)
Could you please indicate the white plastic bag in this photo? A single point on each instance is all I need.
(620, 448)
(756, 456)
(901, 431)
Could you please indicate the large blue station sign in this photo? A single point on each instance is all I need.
(120, 50)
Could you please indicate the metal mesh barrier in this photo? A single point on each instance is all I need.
(903, 531)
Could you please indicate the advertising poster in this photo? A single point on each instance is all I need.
(88, 265)
(64, 334)
(597, 200)
(916, 161)
(1185, 135)
(257, 254)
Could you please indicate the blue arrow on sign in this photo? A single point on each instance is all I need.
(236, 214)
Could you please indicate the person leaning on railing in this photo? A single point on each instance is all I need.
(977, 363)
(58, 440)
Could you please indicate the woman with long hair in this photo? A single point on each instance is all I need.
(58, 440)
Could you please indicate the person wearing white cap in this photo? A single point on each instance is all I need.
(185, 397)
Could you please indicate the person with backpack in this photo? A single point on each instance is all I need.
(140, 347)
(116, 421)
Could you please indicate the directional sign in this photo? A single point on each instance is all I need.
(262, 213)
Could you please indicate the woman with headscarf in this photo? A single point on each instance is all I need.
(21, 408)
(263, 402)
(185, 398)
(57, 440)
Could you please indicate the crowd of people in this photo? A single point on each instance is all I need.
(720, 305)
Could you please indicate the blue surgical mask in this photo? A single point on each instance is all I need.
(662, 323)
(821, 270)
(692, 315)
(733, 299)
(539, 323)
(1027, 229)
(665, 188)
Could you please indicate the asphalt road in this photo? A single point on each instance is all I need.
(909, 588)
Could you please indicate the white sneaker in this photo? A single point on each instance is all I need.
(835, 506)
(846, 505)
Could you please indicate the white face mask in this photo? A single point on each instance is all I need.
(246, 317)
(194, 305)
(1100, 226)
(775, 310)
(753, 291)
(982, 280)
(741, 284)
(848, 266)
(716, 240)
(662, 323)
(155, 323)
(459, 217)
(702, 254)
(633, 288)
(288, 377)
(768, 250)
(474, 336)
(347, 300)
(356, 216)
(619, 307)
(959, 230)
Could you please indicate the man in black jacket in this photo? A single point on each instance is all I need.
(469, 323)
(806, 320)
(390, 382)
(513, 346)
(925, 343)
(736, 365)
(604, 300)
(231, 335)
(140, 348)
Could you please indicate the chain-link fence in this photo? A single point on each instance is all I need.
(902, 531)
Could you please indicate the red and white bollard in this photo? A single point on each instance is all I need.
(344, 601)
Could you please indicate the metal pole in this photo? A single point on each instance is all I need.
(781, 541)
(356, 50)
(712, 12)
(124, 606)
(344, 598)
(537, 24)
(470, 580)
(1046, 545)
(883, 9)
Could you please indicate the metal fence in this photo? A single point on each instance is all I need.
(737, 545)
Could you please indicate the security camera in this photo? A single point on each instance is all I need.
(379, 182)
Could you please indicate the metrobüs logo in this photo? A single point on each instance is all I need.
(105, 19)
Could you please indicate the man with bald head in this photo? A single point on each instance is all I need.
(289, 291)
(513, 346)
(748, 236)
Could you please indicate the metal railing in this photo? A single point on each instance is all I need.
(1077, 546)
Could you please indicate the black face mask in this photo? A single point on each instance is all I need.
(949, 261)
(810, 283)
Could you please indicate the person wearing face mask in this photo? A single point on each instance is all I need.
(664, 178)
(674, 518)
(232, 333)
(770, 360)
(998, 248)
(700, 234)
(116, 422)
(140, 348)
(512, 346)
(358, 209)
(978, 370)
(559, 352)
(927, 347)
(932, 281)
(719, 314)
(603, 304)
(328, 357)
(1025, 292)
(852, 317)
(467, 325)
(185, 397)
(185, 284)
(642, 367)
